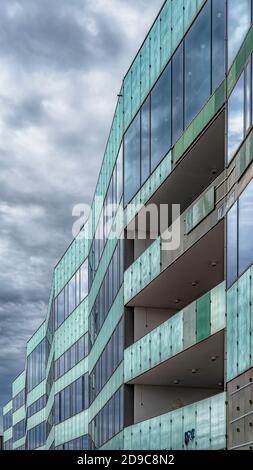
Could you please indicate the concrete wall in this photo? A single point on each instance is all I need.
(146, 319)
(152, 400)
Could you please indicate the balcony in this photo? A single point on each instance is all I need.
(195, 323)
(158, 277)
(199, 426)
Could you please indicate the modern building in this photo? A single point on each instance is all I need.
(145, 347)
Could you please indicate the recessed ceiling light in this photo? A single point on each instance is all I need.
(214, 171)
(214, 264)
(194, 283)
(220, 384)
(177, 301)
(176, 382)
(194, 371)
(213, 358)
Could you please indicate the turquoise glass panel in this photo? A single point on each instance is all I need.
(155, 52)
(136, 84)
(177, 22)
(232, 333)
(165, 432)
(177, 429)
(189, 421)
(127, 99)
(165, 33)
(218, 422)
(218, 308)
(244, 322)
(203, 425)
(145, 74)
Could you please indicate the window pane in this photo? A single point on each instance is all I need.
(245, 228)
(248, 97)
(60, 308)
(120, 174)
(72, 294)
(132, 160)
(197, 65)
(145, 140)
(161, 118)
(239, 19)
(177, 94)
(218, 42)
(232, 245)
(84, 279)
(236, 118)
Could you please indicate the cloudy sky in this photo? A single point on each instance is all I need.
(61, 66)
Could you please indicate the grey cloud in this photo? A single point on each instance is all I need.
(61, 65)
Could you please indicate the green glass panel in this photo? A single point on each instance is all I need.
(232, 333)
(155, 53)
(145, 75)
(127, 99)
(177, 333)
(244, 322)
(218, 421)
(203, 425)
(245, 156)
(190, 8)
(203, 317)
(177, 441)
(165, 33)
(166, 349)
(155, 352)
(145, 353)
(145, 435)
(189, 422)
(189, 319)
(177, 22)
(165, 432)
(135, 437)
(136, 85)
(155, 434)
(218, 308)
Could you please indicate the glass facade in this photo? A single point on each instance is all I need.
(239, 228)
(72, 399)
(240, 110)
(239, 21)
(108, 325)
(196, 70)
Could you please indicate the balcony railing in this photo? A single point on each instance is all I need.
(194, 323)
(200, 426)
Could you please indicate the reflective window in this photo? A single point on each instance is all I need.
(7, 420)
(239, 20)
(245, 228)
(109, 420)
(161, 118)
(60, 307)
(236, 118)
(248, 96)
(36, 437)
(19, 430)
(72, 294)
(232, 245)
(145, 140)
(197, 64)
(218, 42)
(36, 364)
(177, 94)
(132, 160)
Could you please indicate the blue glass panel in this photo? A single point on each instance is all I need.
(197, 64)
(239, 20)
(236, 118)
(161, 118)
(245, 228)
